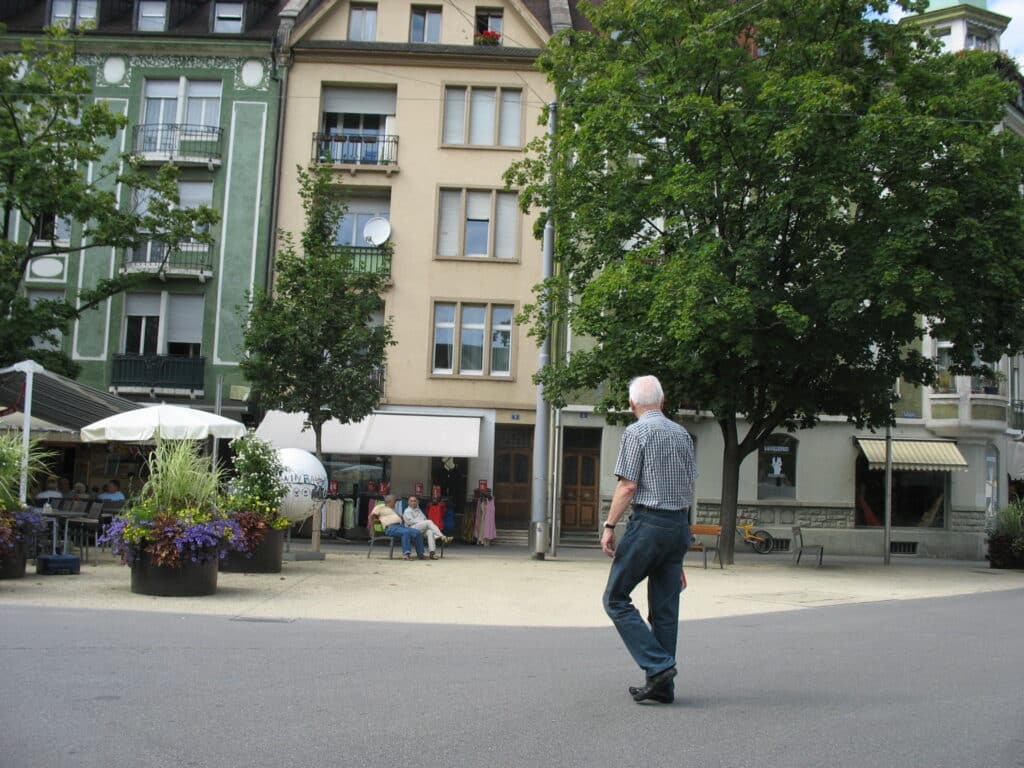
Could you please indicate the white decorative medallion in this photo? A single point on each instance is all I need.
(252, 73)
(114, 70)
(47, 266)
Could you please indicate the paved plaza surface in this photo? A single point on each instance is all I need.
(488, 658)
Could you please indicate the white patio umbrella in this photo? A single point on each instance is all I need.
(172, 422)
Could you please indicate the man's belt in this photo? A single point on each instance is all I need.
(662, 511)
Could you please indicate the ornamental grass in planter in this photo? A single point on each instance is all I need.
(176, 532)
(1006, 538)
(19, 527)
(254, 503)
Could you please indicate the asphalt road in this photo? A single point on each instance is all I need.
(932, 683)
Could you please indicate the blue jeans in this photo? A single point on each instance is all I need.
(408, 536)
(652, 548)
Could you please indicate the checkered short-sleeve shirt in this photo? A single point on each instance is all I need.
(657, 454)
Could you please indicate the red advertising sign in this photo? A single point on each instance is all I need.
(419, 489)
(482, 487)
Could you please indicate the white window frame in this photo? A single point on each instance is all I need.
(362, 22)
(34, 296)
(453, 218)
(163, 320)
(60, 12)
(462, 118)
(148, 10)
(229, 14)
(427, 12)
(460, 325)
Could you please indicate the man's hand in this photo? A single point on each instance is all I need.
(608, 541)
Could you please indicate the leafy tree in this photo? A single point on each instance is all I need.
(311, 345)
(767, 205)
(53, 143)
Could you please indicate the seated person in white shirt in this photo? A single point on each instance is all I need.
(413, 517)
(51, 494)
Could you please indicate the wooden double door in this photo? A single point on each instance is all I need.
(581, 485)
(513, 475)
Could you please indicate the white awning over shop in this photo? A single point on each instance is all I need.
(920, 455)
(384, 434)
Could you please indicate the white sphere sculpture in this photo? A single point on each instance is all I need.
(306, 479)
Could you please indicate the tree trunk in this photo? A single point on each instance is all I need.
(317, 515)
(731, 460)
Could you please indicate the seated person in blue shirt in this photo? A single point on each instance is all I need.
(112, 492)
(392, 524)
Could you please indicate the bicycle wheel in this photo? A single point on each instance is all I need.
(763, 542)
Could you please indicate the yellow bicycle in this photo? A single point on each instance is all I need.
(759, 539)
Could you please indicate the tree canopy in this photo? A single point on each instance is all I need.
(61, 196)
(312, 345)
(768, 205)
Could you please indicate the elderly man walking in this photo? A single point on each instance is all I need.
(656, 471)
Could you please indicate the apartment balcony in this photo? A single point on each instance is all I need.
(188, 260)
(369, 259)
(185, 145)
(158, 375)
(355, 153)
(964, 405)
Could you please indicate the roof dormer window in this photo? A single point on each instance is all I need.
(60, 12)
(152, 16)
(227, 17)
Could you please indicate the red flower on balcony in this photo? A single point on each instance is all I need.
(488, 37)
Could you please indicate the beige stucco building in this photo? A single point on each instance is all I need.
(420, 114)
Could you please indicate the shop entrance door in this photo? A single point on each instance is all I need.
(513, 468)
(581, 457)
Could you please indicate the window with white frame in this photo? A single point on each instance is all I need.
(196, 102)
(192, 194)
(477, 223)
(152, 16)
(227, 17)
(164, 324)
(488, 20)
(362, 23)
(482, 116)
(141, 323)
(425, 25)
(53, 228)
(60, 12)
(53, 338)
(472, 339)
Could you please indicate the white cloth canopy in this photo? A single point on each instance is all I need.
(385, 434)
(172, 422)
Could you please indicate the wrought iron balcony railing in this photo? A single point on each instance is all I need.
(158, 372)
(188, 259)
(355, 150)
(200, 144)
(369, 259)
(1017, 414)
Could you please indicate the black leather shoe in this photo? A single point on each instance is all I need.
(664, 696)
(657, 687)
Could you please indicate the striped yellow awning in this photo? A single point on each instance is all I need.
(921, 455)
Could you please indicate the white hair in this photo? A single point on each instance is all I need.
(646, 392)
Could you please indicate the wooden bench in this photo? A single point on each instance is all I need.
(705, 546)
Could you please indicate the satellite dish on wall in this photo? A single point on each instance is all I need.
(377, 231)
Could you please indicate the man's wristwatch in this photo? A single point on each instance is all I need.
(610, 526)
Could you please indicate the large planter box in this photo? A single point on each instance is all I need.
(190, 580)
(266, 558)
(12, 564)
(1001, 554)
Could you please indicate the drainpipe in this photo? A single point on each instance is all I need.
(541, 430)
(280, 59)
